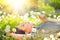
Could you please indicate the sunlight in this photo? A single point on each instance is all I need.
(17, 4)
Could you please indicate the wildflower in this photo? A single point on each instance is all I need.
(6, 17)
(54, 16)
(49, 14)
(29, 35)
(14, 30)
(2, 16)
(38, 13)
(43, 12)
(0, 12)
(43, 30)
(33, 30)
(26, 16)
(51, 36)
(31, 12)
(33, 16)
(58, 17)
(58, 34)
(21, 17)
(0, 27)
(13, 16)
(58, 39)
(46, 38)
(7, 29)
(4, 13)
(49, 18)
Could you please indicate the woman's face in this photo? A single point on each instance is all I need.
(26, 27)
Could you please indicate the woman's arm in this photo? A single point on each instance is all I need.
(43, 17)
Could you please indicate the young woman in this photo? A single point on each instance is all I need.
(26, 28)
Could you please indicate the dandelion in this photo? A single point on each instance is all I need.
(9, 15)
(49, 17)
(0, 20)
(34, 30)
(58, 17)
(38, 13)
(54, 16)
(49, 14)
(4, 13)
(33, 16)
(21, 17)
(7, 29)
(6, 17)
(31, 12)
(2, 16)
(0, 12)
(43, 12)
(13, 16)
(26, 16)
(0, 27)
(51, 36)
(29, 35)
(58, 34)
(46, 38)
(31, 22)
(43, 30)
(58, 39)
(34, 13)
(14, 29)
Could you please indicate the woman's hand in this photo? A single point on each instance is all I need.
(43, 18)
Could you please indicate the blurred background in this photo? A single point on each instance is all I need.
(50, 8)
